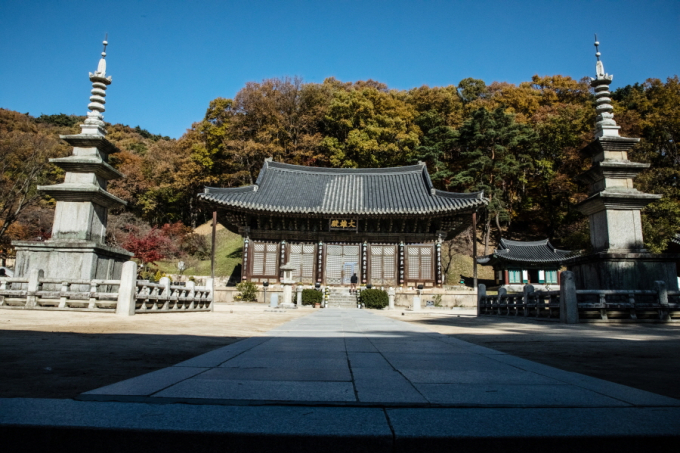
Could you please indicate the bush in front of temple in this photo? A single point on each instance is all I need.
(311, 297)
(247, 292)
(374, 298)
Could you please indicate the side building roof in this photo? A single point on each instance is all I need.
(294, 189)
(528, 252)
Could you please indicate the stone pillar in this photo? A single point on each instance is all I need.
(416, 302)
(391, 294)
(127, 291)
(568, 300)
(299, 296)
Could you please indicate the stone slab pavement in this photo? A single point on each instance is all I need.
(348, 380)
(357, 358)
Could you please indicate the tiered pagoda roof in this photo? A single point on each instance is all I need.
(525, 253)
(293, 189)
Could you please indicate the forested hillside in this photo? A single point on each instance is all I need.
(518, 143)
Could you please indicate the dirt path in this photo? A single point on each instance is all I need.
(644, 356)
(60, 354)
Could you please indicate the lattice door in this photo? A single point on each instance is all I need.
(337, 256)
(419, 262)
(265, 258)
(383, 269)
(302, 257)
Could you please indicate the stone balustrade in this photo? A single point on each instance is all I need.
(126, 296)
(570, 305)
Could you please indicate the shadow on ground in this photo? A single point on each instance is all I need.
(643, 356)
(63, 365)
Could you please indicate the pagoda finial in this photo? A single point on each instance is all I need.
(94, 124)
(605, 124)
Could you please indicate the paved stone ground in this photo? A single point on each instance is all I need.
(357, 357)
(640, 355)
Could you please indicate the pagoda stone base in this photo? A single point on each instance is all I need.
(633, 270)
(77, 260)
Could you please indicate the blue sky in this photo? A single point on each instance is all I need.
(169, 58)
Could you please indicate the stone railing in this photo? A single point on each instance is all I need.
(126, 296)
(570, 305)
(164, 296)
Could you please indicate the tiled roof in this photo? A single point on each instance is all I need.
(297, 189)
(527, 252)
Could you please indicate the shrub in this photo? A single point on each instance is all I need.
(374, 298)
(247, 292)
(311, 297)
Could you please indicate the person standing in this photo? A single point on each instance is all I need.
(353, 280)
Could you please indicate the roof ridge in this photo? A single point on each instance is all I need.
(378, 170)
(546, 241)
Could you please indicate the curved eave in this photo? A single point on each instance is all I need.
(465, 204)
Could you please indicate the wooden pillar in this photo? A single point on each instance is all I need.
(401, 263)
(506, 277)
(319, 263)
(244, 265)
(438, 262)
(212, 250)
(474, 250)
(364, 262)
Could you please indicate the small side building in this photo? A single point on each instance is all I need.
(518, 263)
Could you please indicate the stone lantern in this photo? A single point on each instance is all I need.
(287, 282)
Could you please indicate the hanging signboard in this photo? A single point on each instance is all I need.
(343, 225)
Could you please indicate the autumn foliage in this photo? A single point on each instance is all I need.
(519, 143)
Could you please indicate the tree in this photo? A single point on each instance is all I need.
(496, 153)
(25, 149)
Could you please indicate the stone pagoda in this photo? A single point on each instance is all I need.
(618, 259)
(77, 249)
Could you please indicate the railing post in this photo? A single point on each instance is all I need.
(481, 296)
(568, 301)
(127, 290)
(34, 277)
(527, 293)
(191, 295)
(93, 295)
(165, 282)
(65, 287)
(662, 292)
(210, 286)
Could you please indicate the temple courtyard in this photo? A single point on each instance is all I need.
(258, 379)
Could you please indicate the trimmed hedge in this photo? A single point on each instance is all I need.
(311, 297)
(247, 292)
(375, 298)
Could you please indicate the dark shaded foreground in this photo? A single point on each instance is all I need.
(63, 365)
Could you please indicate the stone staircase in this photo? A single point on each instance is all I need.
(341, 298)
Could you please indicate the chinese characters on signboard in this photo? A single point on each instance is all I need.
(343, 224)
